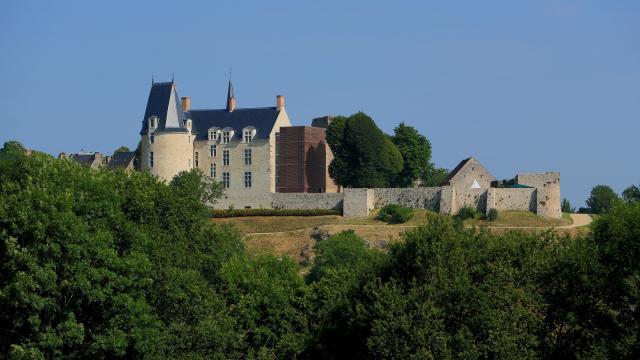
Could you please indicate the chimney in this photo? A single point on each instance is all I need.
(185, 102)
(280, 102)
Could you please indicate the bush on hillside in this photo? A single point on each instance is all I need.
(395, 214)
(467, 212)
(492, 215)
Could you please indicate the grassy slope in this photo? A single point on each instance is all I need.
(291, 236)
(521, 219)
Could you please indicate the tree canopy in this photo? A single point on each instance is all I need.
(110, 264)
(363, 155)
(416, 155)
(602, 199)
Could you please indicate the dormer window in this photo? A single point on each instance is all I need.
(227, 135)
(214, 134)
(153, 123)
(248, 133)
(188, 124)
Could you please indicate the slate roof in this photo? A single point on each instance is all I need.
(121, 159)
(84, 159)
(454, 172)
(158, 105)
(263, 119)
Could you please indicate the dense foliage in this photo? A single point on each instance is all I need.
(416, 155)
(100, 264)
(631, 194)
(565, 207)
(395, 214)
(602, 199)
(363, 156)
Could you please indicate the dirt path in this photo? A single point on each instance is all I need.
(578, 220)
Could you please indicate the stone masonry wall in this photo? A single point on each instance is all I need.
(475, 198)
(420, 197)
(511, 199)
(307, 201)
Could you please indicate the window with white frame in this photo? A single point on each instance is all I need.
(225, 157)
(247, 156)
(225, 137)
(226, 180)
(212, 170)
(248, 136)
(213, 134)
(213, 150)
(247, 179)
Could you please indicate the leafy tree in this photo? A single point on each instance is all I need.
(416, 154)
(566, 207)
(602, 199)
(433, 176)
(121, 149)
(363, 155)
(631, 194)
(194, 184)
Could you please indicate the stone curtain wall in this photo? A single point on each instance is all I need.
(307, 201)
(475, 198)
(420, 198)
(511, 199)
(544, 201)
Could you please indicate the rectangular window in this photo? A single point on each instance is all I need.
(226, 180)
(212, 170)
(213, 151)
(247, 156)
(151, 138)
(196, 159)
(151, 159)
(247, 179)
(225, 137)
(225, 157)
(247, 136)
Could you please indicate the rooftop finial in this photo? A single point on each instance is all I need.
(152, 81)
(172, 78)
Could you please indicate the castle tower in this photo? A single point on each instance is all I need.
(166, 134)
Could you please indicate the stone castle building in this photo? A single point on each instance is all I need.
(239, 147)
(264, 162)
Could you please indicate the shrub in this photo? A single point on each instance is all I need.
(272, 212)
(492, 214)
(467, 212)
(396, 214)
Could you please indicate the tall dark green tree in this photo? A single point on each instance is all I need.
(363, 155)
(631, 194)
(416, 155)
(565, 207)
(602, 199)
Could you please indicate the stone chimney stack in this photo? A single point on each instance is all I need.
(185, 102)
(280, 102)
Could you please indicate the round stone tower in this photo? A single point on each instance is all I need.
(166, 134)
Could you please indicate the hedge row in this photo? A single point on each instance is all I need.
(272, 212)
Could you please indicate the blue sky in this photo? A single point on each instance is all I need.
(523, 86)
